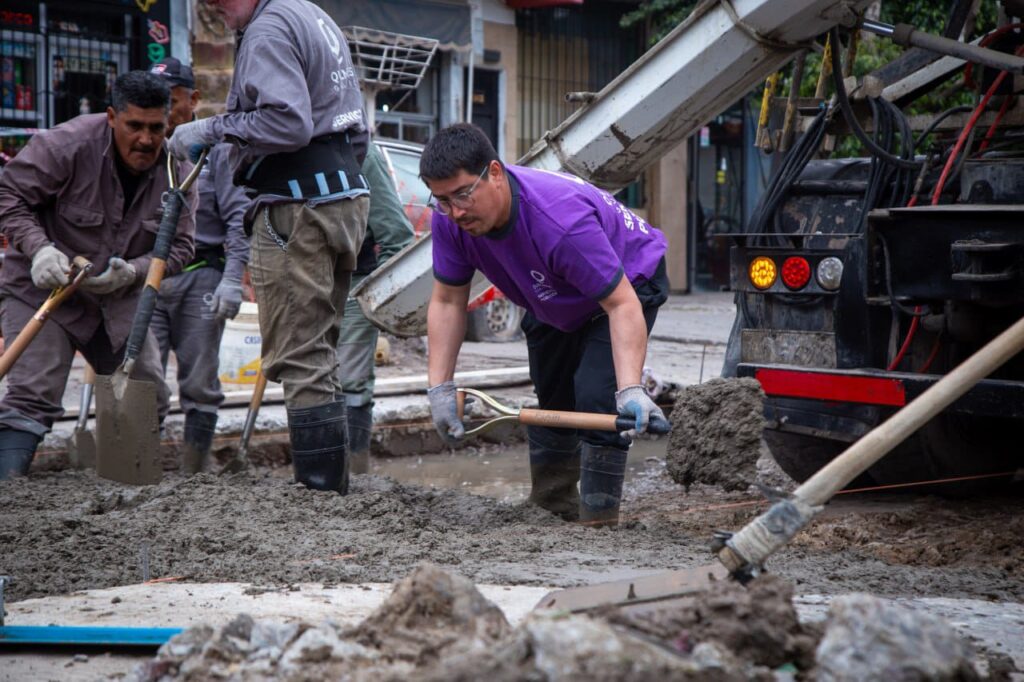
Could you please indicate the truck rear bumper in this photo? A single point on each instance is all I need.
(990, 398)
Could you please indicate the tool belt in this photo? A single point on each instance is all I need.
(211, 256)
(329, 166)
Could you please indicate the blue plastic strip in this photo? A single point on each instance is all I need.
(293, 185)
(344, 181)
(321, 182)
(59, 635)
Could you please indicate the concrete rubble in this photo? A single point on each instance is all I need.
(437, 626)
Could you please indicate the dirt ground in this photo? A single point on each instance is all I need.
(68, 531)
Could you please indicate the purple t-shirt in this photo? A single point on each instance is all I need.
(566, 247)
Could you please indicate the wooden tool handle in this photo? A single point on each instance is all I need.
(558, 419)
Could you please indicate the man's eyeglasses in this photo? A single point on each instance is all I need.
(463, 199)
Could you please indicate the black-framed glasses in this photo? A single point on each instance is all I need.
(463, 199)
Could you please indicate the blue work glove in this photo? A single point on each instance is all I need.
(444, 411)
(119, 274)
(190, 139)
(633, 402)
(227, 299)
(50, 268)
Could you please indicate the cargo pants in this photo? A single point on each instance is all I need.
(357, 350)
(36, 382)
(301, 262)
(183, 322)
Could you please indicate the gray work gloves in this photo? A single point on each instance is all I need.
(189, 139)
(118, 275)
(50, 268)
(633, 402)
(445, 412)
(227, 299)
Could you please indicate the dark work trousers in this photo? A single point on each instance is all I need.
(35, 384)
(575, 371)
(184, 323)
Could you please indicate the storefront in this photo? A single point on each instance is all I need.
(60, 59)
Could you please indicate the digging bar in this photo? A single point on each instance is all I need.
(82, 445)
(240, 462)
(80, 268)
(556, 419)
(127, 426)
(742, 554)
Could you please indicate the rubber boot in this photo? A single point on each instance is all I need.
(602, 470)
(319, 446)
(16, 451)
(199, 429)
(360, 424)
(555, 471)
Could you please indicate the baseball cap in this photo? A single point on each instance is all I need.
(174, 72)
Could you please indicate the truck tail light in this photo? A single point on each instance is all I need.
(796, 272)
(762, 272)
(830, 273)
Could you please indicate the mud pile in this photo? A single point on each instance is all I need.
(437, 626)
(716, 434)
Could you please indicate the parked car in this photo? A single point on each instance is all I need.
(492, 317)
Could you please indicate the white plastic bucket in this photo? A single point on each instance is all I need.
(240, 349)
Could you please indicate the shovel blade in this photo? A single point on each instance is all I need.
(127, 431)
(82, 450)
(648, 590)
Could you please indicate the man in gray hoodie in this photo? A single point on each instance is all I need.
(295, 120)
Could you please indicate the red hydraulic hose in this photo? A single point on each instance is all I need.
(995, 124)
(964, 134)
(985, 42)
(906, 342)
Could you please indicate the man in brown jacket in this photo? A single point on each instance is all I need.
(90, 187)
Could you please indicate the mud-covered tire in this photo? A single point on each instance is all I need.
(802, 456)
(498, 320)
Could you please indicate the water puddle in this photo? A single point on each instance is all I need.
(500, 471)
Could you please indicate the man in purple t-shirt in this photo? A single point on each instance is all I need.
(591, 276)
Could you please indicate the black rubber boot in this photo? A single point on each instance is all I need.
(199, 429)
(319, 446)
(602, 470)
(555, 471)
(16, 451)
(360, 424)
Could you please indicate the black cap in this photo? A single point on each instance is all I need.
(174, 73)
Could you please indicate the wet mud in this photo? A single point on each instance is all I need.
(716, 434)
(67, 531)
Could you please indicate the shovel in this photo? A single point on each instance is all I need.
(80, 267)
(127, 426)
(240, 462)
(556, 419)
(742, 554)
(82, 445)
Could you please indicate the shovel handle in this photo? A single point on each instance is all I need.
(254, 410)
(175, 200)
(80, 267)
(556, 419)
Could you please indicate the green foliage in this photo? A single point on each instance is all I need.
(658, 16)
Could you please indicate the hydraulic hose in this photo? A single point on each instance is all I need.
(851, 118)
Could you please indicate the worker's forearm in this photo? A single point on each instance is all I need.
(629, 343)
(446, 327)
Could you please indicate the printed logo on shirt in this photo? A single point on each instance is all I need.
(345, 119)
(629, 219)
(541, 289)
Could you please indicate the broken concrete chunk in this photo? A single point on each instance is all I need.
(868, 638)
(429, 611)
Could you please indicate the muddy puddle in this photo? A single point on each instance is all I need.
(502, 472)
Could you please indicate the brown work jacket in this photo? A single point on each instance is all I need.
(63, 189)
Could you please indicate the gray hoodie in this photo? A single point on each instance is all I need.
(294, 80)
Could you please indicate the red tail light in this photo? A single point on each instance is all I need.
(796, 272)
